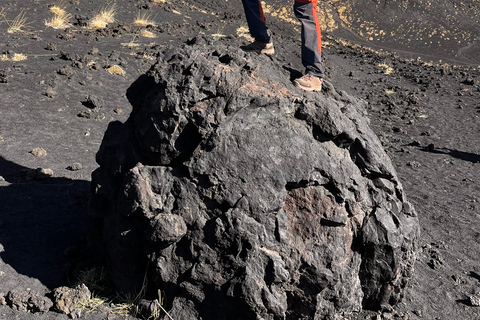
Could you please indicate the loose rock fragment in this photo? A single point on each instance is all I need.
(66, 300)
(28, 301)
(39, 152)
(38, 174)
(474, 300)
(75, 167)
(50, 92)
(93, 102)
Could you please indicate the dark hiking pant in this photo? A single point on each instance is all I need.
(306, 13)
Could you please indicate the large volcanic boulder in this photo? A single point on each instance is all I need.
(241, 197)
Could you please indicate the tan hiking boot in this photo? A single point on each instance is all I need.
(259, 47)
(309, 83)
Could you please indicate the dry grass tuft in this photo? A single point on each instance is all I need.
(59, 21)
(131, 44)
(144, 19)
(388, 68)
(147, 34)
(18, 57)
(105, 16)
(116, 69)
(17, 24)
(14, 57)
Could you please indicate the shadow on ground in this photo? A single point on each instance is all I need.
(42, 223)
(465, 156)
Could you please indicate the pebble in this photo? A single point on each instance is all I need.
(38, 174)
(84, 114)
(75, 167)
(93, 102)
(39, 152)
(414, 164)
(50, 93)
(418, 313)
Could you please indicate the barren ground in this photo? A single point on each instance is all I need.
(426, 113)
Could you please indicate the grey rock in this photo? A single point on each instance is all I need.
(28, 301)
(75, 166)
(93, 102)
(248, 198)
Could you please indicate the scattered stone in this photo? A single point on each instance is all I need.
(66, 71)
(255, 197)
(52, 46)
(437, 261)
(66, 300)
(85, 114)
(38, 174)
(2, 139)
(149, 309)
(28, 301)
(69, 56)
(418, 313)
(93, 102)
(459, 279)
(67, 35)
(75, 167)
(414, 164)
(94, 51)
(474, 300)
(100, 116)
(50, 92)
(4, 74)
(415, 143)
(469, 81)
(39, 152)
(3, 301)
(117, 110)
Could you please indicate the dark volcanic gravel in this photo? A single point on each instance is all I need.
(60, 88)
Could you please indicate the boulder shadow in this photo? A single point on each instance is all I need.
(42, 223)
(465, 156)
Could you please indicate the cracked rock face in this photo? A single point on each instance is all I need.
(245, 198)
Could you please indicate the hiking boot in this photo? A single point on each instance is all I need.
(259, 47)
(309, 83)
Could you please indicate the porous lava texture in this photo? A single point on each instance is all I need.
(241, 197)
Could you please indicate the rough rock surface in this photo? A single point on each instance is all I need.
(245, 198)
(28, 301)
(66, 300)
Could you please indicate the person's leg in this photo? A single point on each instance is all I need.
(306, 13)
(256, 20)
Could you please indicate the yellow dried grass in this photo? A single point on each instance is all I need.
(17, 24)
(144, 19)
(14, 57)
(59, 20)
(105, 16)
(147, 34)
